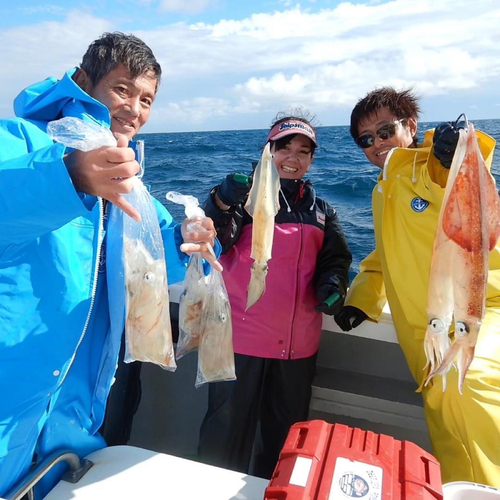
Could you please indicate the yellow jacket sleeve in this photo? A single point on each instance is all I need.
(367, 291)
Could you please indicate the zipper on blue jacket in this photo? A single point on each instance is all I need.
(94, 286)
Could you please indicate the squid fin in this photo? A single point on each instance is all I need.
(257, 285)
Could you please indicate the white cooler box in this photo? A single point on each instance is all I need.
(462, 490)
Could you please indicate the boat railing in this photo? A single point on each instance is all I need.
(77, 469)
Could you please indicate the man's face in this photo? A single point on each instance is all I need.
(404, 133)
(128, 99)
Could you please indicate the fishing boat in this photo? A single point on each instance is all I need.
(362, 381)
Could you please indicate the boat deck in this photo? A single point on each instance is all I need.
(362, 381)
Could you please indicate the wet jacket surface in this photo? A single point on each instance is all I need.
(310, 261)
(464, 430)
(58, 352)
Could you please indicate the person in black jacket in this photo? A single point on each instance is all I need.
(277, 339)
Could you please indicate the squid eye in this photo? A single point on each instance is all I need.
(223, 318)
(436, 325)
(149, 277)
(461, 328)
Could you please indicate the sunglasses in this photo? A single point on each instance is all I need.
(385, 132)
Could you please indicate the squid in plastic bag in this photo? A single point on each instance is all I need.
(204, 311)
(193, 287)
(148, 332)
(190, 307)
(215, 352)
(143, 292)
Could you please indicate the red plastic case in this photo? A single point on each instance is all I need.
(322, 461)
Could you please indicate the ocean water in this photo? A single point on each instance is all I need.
(193, 162)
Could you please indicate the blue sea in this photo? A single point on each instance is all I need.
(193, 162)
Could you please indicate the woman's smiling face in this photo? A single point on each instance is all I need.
(293, 161)
(404, 133)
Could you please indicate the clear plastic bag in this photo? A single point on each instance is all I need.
(204, 312)
(148, 334)
(215, 352)
(190, 307)
(193, 287)
(78, 134)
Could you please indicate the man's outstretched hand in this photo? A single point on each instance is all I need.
(445, 141)
(199, 236)
(106, 172)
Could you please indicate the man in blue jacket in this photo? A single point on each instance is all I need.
(58, 347)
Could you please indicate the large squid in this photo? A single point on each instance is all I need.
(262, 205)
(147, 326)
(468, 229)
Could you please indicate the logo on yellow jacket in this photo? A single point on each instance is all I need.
(419, 204)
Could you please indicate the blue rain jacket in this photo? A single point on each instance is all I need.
(58, 351)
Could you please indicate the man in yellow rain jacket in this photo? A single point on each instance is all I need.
(464, 429)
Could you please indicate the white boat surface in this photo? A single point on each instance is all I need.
(362, 381)
(131, 473)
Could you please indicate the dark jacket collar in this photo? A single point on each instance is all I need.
(298, 192)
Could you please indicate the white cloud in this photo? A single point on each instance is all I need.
(49, 46)
(42, 9)
(185, 6)
(352, 46)
(34, 52)
(193, 111)
(324, 60)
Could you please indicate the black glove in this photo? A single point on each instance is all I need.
(348, 313)
(445, 141)
(332, 305)
(234, 189)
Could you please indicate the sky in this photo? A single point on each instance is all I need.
(234, 64)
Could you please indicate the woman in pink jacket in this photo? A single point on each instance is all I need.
(276, 340)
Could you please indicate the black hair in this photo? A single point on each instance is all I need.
(402, 104)
(111, 49)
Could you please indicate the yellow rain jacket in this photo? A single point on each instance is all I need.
(464, 429)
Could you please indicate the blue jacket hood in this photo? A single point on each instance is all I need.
(51, 99)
